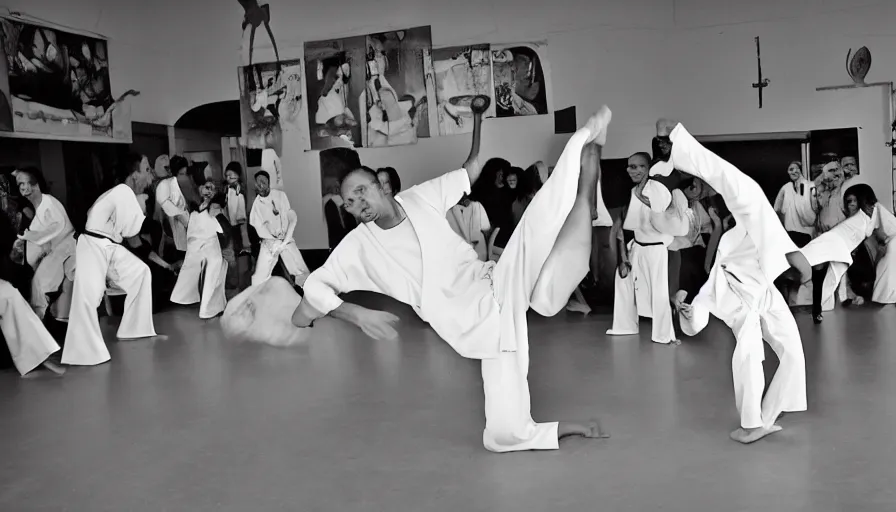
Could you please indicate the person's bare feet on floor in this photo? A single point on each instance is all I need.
(590, 430)
(53, 367)
(751, 435)
(157, 337)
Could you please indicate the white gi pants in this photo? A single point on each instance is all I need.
(100, 260)
(49, 272)
(204, 263)
(885, 282)
(644, 292)
(508, 419)
(773, 322)
(268, 256)
(29, 342)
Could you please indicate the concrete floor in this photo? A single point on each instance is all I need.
(195, 424)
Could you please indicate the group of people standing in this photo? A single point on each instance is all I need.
(161, 234)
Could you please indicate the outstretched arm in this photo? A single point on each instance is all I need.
(479, 105)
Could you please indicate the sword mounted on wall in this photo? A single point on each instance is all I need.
(763, 82)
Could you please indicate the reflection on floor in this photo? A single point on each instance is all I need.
(348, 424)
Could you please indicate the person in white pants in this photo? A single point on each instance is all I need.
(739, 294)
(275, 222)
(641, 286)
(171, 200)
(406, 249)
(115, 217)
(204, 261)
(29, 342)
(49, 246)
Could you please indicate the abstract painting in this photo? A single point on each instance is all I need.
(462, 73)
(335, 83)
(521, 77)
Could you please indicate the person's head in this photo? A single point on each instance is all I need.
(859, 197)
(136, 172)
(4, 185)
(364, 196)
(494, 170)
(638, 166)
(850, 166)
(179, 165)
(208, 190)
(29, 182)
(162, 167)
(232, 173)
(795, 171)
(832, 173)
(512, 178)
(262, 183)
(694, 189)
(389, 179)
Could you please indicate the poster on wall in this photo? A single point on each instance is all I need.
(335, 83)
(398, 85)
(840, 144)
(57, 83)
(334, 163)
(271, 110)
(461, 73)
(522, 79)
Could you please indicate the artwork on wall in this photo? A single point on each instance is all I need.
(334, 163)
(521, 76)
(841, 144)
(57, 83)
(335, 84)
(396, 93)
(271, 110)
(461, 73)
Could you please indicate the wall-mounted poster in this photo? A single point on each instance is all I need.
(396, 93)
(521, 75)
(462, 73)
(335, 72)
(271, 109)
(57, 84)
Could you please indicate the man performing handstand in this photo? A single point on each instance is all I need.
(740, 289)
(405, 248)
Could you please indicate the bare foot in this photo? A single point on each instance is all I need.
(53, 367)
(665, 126)
(157, 337)
(598, 125)
(590, 430)
(751, 435)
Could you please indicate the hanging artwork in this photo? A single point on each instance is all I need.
(271, 109)
(335, 72)
(57, 83)
(396, 89)
(461, 72)
(521, 77)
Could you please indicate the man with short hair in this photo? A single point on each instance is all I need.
(49, 245)
(275, 222)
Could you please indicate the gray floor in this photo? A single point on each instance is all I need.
(195, 423)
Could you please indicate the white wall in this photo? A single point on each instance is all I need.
(693, 59)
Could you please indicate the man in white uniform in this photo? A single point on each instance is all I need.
(743, 196)
(29, 342)
(50, 245)
(275, 222)
(642, 276)
(171, 200)
(204, 261)
(405, 248)
(114, 217)
(739, 294)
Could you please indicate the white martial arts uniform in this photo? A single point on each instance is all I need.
(50, 250)
(795, 208)
(171, 200)
(603, 220)
(836, 246)
(743, 197)
(471, 223)
(236, 207)
(479, 308)
(645, 290)
(271, 220)
(204, 263)
(885, 282)
(29, 342)
(738, 293)
(114, 216)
